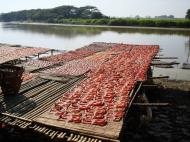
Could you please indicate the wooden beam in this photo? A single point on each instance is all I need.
(52, 52)
(16, 117)
(171, 63)
(158, 55)
(165, 57)
(60, 79)
(158, 77)
(151, 104)
(155, 60)
(149, 85)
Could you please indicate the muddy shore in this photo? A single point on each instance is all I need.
(169, 123)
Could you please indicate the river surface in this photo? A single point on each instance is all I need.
(175, 43)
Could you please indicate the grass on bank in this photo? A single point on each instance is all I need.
(173, 23)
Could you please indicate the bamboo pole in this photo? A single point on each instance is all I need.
(165, 57)
(171, 63)
(152, 104)
(16, 117)
(150, 85)
(158, 77)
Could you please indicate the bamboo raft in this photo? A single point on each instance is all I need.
(29, 108)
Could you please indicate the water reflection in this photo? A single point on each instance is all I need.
(59, 31)
(174, 42)
(74, 31)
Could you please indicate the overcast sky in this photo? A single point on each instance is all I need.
(119, 8)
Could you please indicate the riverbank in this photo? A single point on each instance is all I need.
(100, 26)
(182, 85)
(142, 22)
(176, 73)
(168, 123)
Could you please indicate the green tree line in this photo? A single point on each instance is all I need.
(188, 14)
(54, 14)
(89, 15)
(176, 23)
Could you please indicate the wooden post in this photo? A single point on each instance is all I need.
(38, 55)
(152, 104)
(171, 63)
(158, 77)
(149, 85)
(165, 57)
(52, 52)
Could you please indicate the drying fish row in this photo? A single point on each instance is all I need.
(80, 66)
(98, 46)
(68, 56)
(81, 52)
(5, 50)
(39, 63)
(20, 53)
(104, 96)
(78, 55)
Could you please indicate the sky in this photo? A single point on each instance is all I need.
(115, 8)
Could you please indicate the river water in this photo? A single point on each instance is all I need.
(67, 37)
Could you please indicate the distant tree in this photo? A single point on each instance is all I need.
(89, 12)
(148, 17)
(188, 14)
(54, 14)
(165, 17)
(171, 17)
(137, 17)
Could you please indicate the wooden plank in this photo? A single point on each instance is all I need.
(165, 63)
(158, 77)
(165, 57)
(60, 79)
(111, 130)
(151, 104)
(16, 117)
(149, 85)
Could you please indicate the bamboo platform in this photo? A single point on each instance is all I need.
(33, 95)
(30, 109)
(109, 132)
